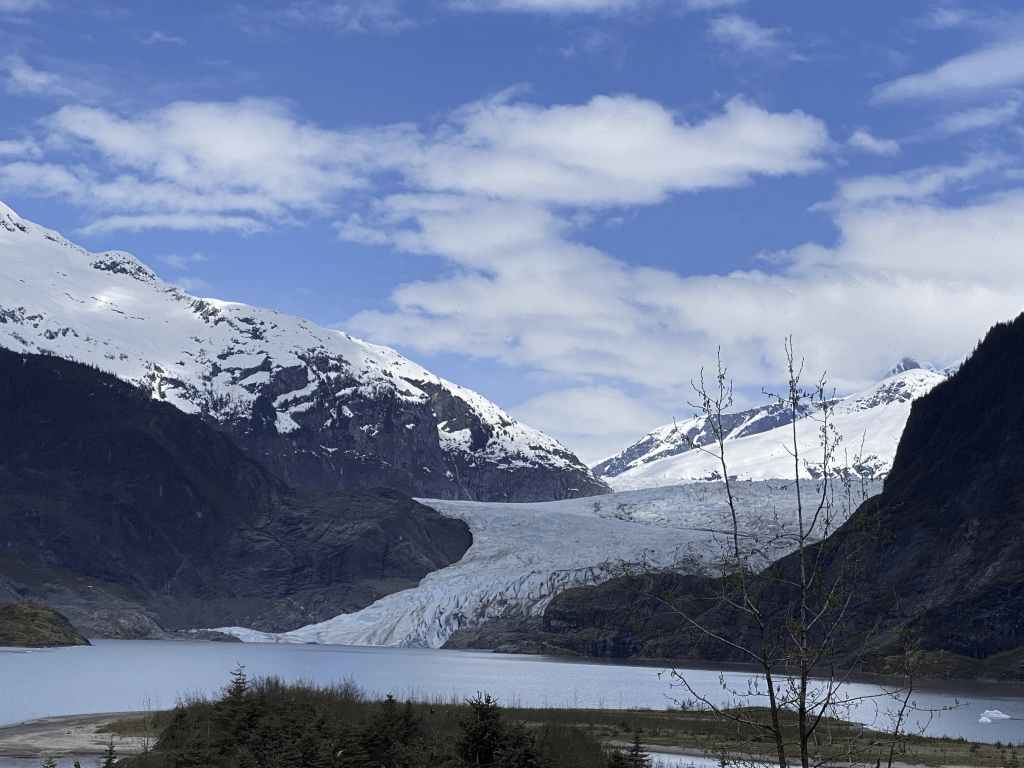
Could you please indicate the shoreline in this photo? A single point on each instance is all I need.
(68, 736)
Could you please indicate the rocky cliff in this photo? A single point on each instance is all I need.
(103, 488)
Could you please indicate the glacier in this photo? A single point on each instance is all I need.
(525, 554)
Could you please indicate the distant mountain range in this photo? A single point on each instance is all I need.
(757, 442)
(943, 564)
(317, 406)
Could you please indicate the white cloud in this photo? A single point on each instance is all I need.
(177, 261)
(710, 5)
(975, 119)
(613, 150)
(997, 66)
(20, 148)
(569, 7)
(22, 6)
(594, 41)
(547, 6)
(908, 273)
(355, 16)
(194, 165)
(861, 139)
(597, 421)
(916, 184)
(192, 284)
(160, 37)
(250, 164)
(23, 79)
(950, 17)
(744, 34)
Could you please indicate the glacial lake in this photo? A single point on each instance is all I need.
(120, 675)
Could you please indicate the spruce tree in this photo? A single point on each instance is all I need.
(483, 733)
(109, 758)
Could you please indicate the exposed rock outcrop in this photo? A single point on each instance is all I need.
(31, 625)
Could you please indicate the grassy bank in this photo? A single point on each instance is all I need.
(265, 722)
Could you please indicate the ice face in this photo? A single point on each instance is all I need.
(525, 554)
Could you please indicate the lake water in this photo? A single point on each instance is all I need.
(119, 675)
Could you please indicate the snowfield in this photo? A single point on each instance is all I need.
(217, 358)
(870, 423)
(525, 554)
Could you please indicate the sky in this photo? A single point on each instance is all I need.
(569, 206)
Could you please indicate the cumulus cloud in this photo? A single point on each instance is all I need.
(20, 148)
(916, 184)
(613, 150)
(745, 35)
(192, 284)
(999, 65)
(908, 273)
(23, 80)
(488, 193)
(597, 421)
(251, 164)
(951, 17)
(22, 6)
(342, 17)
(861, 139)
(190, 165)
(160, 37)
(569, 7)
(177, 261)
(976, 119)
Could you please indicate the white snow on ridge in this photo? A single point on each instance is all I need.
(205, 355)
(870, 423)
(525, 554)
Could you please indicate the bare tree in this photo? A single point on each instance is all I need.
(789, 620)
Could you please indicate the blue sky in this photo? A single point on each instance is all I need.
(567, 205)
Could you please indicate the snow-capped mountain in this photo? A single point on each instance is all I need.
(523, 555)
(318, 406)
(759, 440)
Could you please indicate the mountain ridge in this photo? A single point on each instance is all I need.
(870, 422)
(319, 407)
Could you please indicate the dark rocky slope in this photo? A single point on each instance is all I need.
(30, 625)
(944, 554)
(105, 491)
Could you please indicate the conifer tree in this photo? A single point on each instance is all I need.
(109, 757)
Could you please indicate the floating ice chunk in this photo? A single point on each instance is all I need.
(995, 714)
(984, 719)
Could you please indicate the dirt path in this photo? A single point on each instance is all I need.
(75, 735)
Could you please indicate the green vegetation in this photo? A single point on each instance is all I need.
(30, 625)
(264, 722)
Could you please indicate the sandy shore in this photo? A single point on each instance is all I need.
(70, 735)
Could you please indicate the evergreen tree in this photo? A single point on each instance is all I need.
(483, 733)
(391, 736)
(519, 750)
(109, 758)
(638, 756)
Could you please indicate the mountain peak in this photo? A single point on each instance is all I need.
(317, 406)
(908, 364)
